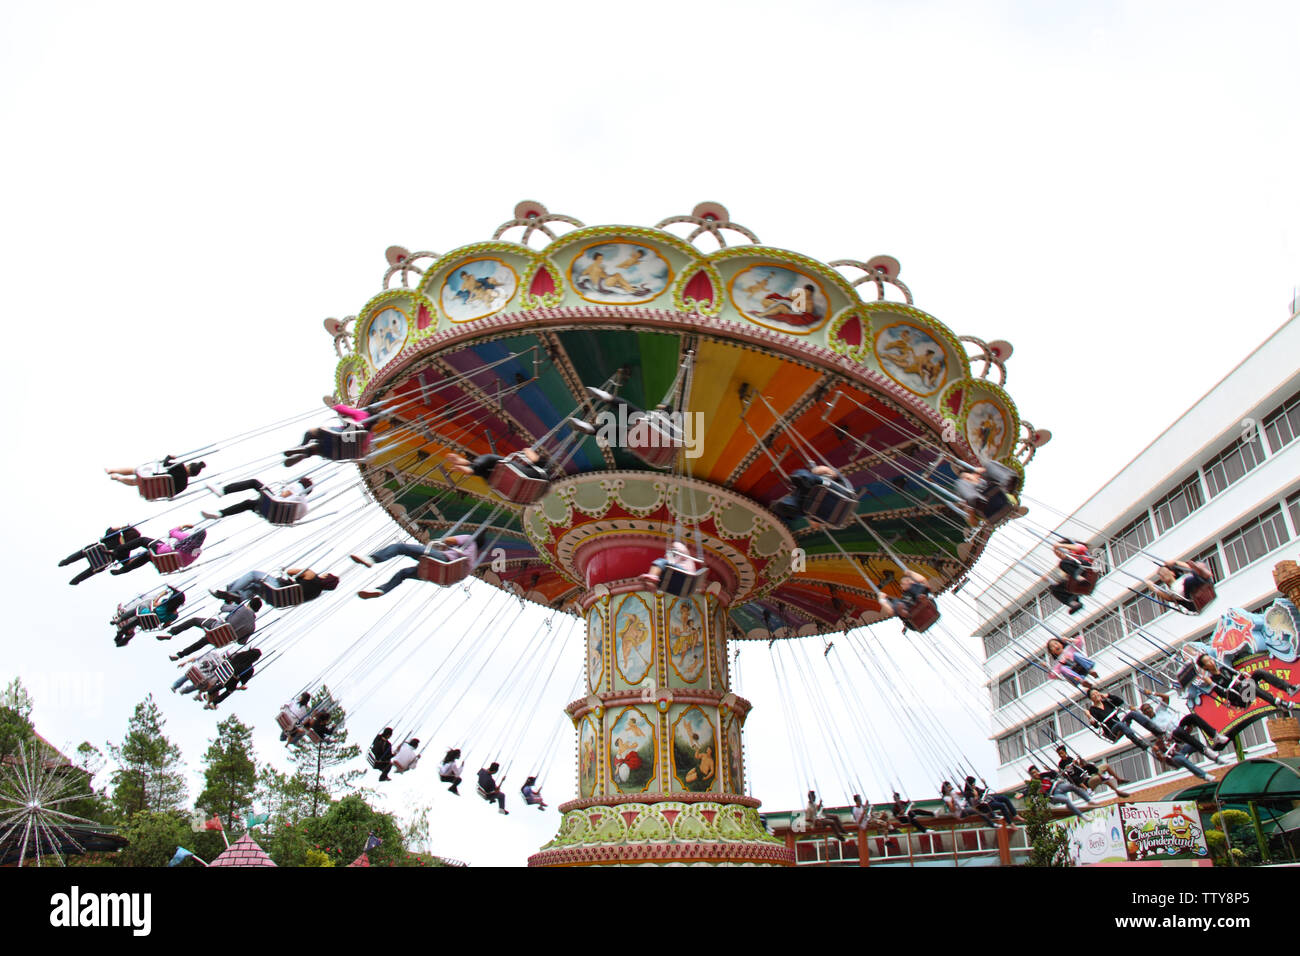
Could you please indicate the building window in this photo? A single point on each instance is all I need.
(1283, 424)
(1254, 539)
(1102, 633)
(1011, 747)
(1006, 690)
(1131, 539)
(1124, 689)
(1293, 506)
(1232, 464)
(1210, 558)
(1069, 720)
(1131, 764)
(1254, 735)
(1042, 732)
(995, 640)
(1178, 504)
(1031, 677)
(1018, 623)
(1139, 611)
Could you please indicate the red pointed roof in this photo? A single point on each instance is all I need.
(362, 860)
(243, 852)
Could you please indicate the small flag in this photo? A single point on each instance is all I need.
(181, 854)
(214, 823)
(256, 819)
(372, 841)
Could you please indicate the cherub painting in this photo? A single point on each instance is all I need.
(985, 426)
(632, 751)
(619, 272)
(780, 298)
(595, 649)
(633, 640)
(477, 288)
(686, 639)
(695, 750)
(587, 759)
(386, 335)
(912, 357)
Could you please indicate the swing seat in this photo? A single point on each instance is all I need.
(220, 636)
(278, 511)
(1083, 583)
(485, 795)
(442, 571)
(285, 719)
(654, 439)
(207, 674)
(516, 481)
(1242, 688)
(167, 562)
(922, 615)
(147, 621)
(1202, 596)
(154, 487)
(994, 505)
(98, 555)
(679, 583)
(287, 595)
(1186, 675)
(345, 444)
(372, 759)
(832, 504)
(1000, 476)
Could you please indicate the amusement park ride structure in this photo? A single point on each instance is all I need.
(758, 362)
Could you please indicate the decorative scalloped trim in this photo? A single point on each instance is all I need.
(690, 305)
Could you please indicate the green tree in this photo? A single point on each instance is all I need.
(15, 718)
(230, 773)
(315, 764)
(148, 777)
(153, 838)
(1048, 844)
(343, 829)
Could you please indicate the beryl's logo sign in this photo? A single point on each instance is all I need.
(1246, 642)
(1170, 830)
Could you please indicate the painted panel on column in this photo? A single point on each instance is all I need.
(719, 642)
(595, 648)
(633, 639)
(735, 774)
(686, 643)
(695, 750)
(633, 750)
(587, 765)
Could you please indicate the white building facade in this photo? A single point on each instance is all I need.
(1221, 485)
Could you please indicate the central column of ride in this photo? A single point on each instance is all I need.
(660, 757)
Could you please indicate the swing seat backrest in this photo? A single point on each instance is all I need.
(1186, 675)
(673, 580)
(654, 439)
(147, 620)
(154, 487)
(1083, 583)
(345, 444)
(442, 571)
(285, 595)
(280, 511)
(371, 759)
(995, 505)
(484, 794)
(285, 719)
(831, 503)
(923, 614)
(98, 555)
(1000, 476)
(516, 482)
(1202, 596)
(221, 635)
(167, 562)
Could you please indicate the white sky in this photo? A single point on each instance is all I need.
(189, 191)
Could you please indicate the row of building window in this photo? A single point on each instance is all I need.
(1240, 547)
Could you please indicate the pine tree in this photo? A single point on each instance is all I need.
(15, 718)
(230, 774)
(148, 778)
(313, 763)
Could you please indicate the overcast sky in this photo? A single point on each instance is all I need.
(188, 191)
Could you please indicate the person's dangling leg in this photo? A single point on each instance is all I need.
(1274, 680)
(402, 549)
(1064, 801)
(249, 484)
(482, 465)
(1179, 759)
(130, 564)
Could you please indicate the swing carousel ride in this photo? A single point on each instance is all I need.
(675, 392)
(676, 437)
